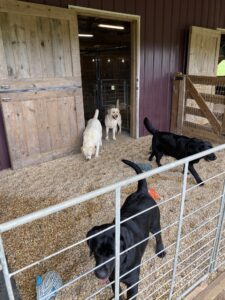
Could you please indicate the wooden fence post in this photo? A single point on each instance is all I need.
(223, 123)
(178, 100)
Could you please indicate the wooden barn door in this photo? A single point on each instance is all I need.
(40, 82)
(203, 52)
(203, 56)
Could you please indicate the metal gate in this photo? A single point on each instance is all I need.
(103, 84)
(205, 254)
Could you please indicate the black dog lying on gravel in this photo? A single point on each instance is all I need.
(177, 146)
(132, 232)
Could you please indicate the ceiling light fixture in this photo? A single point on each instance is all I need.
(87, 35)
(111, 26)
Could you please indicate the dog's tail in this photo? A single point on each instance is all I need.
(148, 125)
(96, 114)
(118, 103)
(142, 184)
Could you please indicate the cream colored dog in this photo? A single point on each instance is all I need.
(112, 120)
(92, 137)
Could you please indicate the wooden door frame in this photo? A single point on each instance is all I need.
(135, 56)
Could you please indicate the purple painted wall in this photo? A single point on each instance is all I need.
(164, 39)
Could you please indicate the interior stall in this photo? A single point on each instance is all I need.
(105, 66)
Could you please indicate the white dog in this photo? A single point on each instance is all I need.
(92, 137)
(112, 120)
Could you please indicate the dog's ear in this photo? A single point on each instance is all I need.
(127, 238)
(91, 241)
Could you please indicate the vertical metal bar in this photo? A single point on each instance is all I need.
(184, 185)
(216, 245)
(117, 244)
(6, 271)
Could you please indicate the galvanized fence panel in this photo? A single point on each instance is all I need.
(212, 244)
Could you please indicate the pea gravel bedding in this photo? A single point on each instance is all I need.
(33, 188)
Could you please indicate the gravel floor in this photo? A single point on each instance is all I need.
(33, 188)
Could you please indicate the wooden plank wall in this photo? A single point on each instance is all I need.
(47, 40)
(40, 82)
(41, 125)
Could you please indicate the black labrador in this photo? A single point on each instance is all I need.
(177, 146)
(132, 232)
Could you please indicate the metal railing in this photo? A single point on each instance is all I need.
(170, 280)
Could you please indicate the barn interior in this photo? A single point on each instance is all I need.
(105, 66)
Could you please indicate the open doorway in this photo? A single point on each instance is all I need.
(105, 52)
(129, 57)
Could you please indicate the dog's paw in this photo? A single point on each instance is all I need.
(201, 184)
(107, 138)
(114, 138)
(160, 251)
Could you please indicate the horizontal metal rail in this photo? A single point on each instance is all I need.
(204, 181)
(166, 292)
(147, 276)
(202, 207)
(193, 286)
(159, 288)
(80, 199)
(150, 208)
(220, 265)
(84, 240)
(71, 246)
(222, 240)
(196, 275)
(200, 226)
(116, 187)
(100, 290)
(146, 261)
(192, 254)
(196, 242)
(149, 285)
(221, 249)
(193, 262)
(195, 269)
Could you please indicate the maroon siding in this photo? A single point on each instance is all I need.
(164, 41)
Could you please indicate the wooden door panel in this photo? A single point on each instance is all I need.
(203, 52)
(203, 55)
(40, 127)
(40, 75)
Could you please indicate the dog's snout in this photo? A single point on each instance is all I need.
(101, 273)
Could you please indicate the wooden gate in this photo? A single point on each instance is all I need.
(208, 111)
(40, 81)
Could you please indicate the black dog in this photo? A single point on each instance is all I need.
(177, 146)
(132, 232)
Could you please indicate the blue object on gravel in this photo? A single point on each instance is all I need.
(46, 284)
(144, 166)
